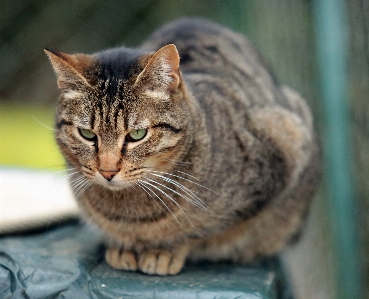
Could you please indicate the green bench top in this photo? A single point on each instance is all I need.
(67, 262)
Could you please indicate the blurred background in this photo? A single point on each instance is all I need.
(289, 33)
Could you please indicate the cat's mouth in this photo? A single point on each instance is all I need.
(112, 181)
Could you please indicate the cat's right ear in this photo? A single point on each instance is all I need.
(71, 69)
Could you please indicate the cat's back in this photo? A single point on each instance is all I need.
(207, 46)
(213, 53)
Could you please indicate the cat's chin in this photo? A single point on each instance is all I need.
(114, 186)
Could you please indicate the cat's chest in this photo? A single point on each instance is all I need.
(132, 228)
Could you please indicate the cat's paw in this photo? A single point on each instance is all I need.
(160, 262)
(121, 260)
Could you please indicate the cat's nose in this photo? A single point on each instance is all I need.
(108, 174)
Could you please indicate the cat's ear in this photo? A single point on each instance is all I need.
(161, 74)
(71, 69)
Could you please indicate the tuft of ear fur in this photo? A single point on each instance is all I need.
(71, 69)
(161, 76)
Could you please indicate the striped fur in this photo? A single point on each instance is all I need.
(228, 161)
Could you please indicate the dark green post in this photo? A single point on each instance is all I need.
(332, 44)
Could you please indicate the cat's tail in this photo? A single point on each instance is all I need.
(298, 105)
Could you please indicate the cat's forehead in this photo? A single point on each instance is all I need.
(116, 72)
(112, 115)
(117, 66)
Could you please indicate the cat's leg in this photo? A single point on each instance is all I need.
(248, 240)
(120, 259)
(163, 262)
(264, 234)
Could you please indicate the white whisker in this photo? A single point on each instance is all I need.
(177, 176)
(80, 187)
(188, 175)
(64, 170)
(69, 175)
(77, 184)
(61, 171)
(133, 186)
(179, 163)
(143, 185)
(40, 123)
(171, 198)
(195, 200)
(76, 180)
(145, 188)
(86, 185)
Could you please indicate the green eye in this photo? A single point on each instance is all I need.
(137, 135)
(87, 134)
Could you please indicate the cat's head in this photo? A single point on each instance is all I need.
(121, 114)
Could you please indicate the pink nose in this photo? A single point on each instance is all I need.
(108, 174)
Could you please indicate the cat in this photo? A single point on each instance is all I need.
(185, 148)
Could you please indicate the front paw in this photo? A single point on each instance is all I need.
(161, 262)
(120, 259)
(152, 261)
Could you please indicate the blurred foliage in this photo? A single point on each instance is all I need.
(26, 137)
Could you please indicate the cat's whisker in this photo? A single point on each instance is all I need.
(76, 190)
(192, 200)
(167, 195)
(187, 174)
(80, 189)
(60, 171)
(86, 186)
(53, 167)
(195, 200)
(180, 177)
(184, 188)
(42, 124)
(80, 186)
(171, 198)
(78, 183)
(178, 163)
(76, 179)
(65, 170)
(132, 186)
(143, 183)
(143, 187)
(73, 173)
(70, 175)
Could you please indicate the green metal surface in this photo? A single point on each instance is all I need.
(332, 37)
(67, 262)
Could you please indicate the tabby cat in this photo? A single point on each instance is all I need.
(185, 148)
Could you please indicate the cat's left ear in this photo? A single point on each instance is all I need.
(161, 74)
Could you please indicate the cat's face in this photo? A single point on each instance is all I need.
(115, 130)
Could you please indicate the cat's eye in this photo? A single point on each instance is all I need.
(87, 134)
(137, 135)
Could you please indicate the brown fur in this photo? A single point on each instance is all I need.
(228, 163)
